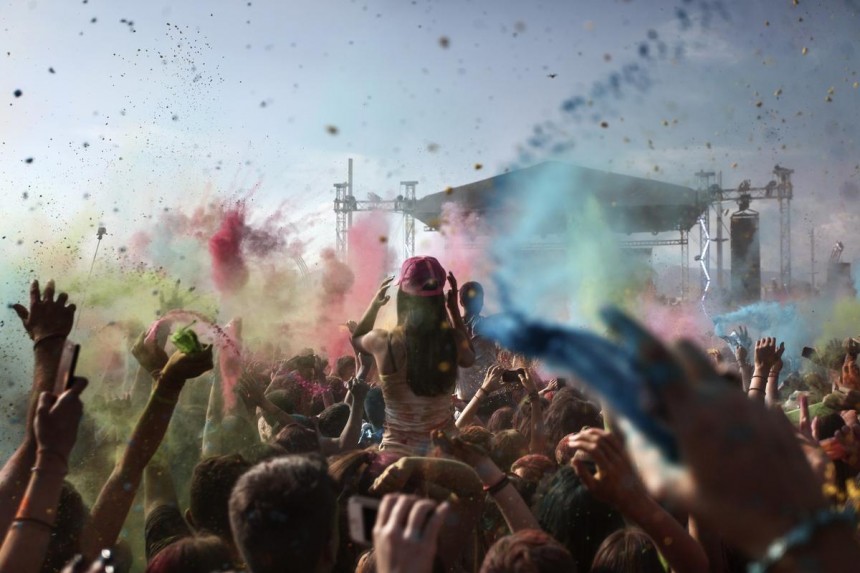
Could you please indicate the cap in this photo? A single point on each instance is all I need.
(422, 276)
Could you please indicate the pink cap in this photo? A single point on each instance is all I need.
(422, 276)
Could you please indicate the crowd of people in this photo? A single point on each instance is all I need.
(476, 461)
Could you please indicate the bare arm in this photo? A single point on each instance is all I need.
(48, 323)
(364, 337)
(537, 439)
(56, 429)
(490, 384)
(158, 489)
(114, 501)
(465, 350)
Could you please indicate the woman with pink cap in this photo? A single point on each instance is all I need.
(418, 360)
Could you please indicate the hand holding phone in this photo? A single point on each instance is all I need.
(361, 512)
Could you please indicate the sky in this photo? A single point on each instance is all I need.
(130, 109)
(140, 116)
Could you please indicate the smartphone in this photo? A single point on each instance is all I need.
(361, 512)
(512, 376)
(808, 352)
(66, 370)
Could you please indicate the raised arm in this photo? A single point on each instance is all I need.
(114, 501)
(348, 440)
(491, 383)
(493, 480)
(537, 440)
(616, 483)
(364, 337)
(772, 388)
(56, 428)
(48, 323)
(765, 356)
(465, 350)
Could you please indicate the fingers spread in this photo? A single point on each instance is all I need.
(22, 312)
(48, 294)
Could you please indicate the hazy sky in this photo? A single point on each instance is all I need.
(127, 107)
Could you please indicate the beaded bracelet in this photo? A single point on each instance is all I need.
(801, 535)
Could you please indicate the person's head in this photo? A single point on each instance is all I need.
(211, 483)
(824, 427)
(345, 367)
(333, 419)
(477, 435)
(506, 447)
(627, 550)
(533, 467)
(502, 419)
(287, 399)
(431, 352)
(573, 516)
(528, 551)
(197, 554)
(568, 414)
(283, 516)
(472, 298)
(374, 407)
(297, 439)
(72, 517)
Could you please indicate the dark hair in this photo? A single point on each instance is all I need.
(478, 436)
(572, 515)
(343, 365)
(333, 420)
(568, 414)
(506, 447)
(296, 439)
(282, 514)
(353, 472)
(285, 399)
(65, 540)
(374, 407)
(534, 466)
(211, 483)
(528, 551)
(627, 550)
(431, 351)
(472, 297)
(502, 419)
(198, 554)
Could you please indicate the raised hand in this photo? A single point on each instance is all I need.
(776, 368)
(395, 476)
(382, 297)
(615, 481)
(452, 297)
(493, 379)
(181, 366)
(57, 420)
(468, 453)
(526, 380)
(406, 532)
(46, 317)
(149, 351)
(766, 354)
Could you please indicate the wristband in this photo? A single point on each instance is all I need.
(498, 486)
(34, 520)
(801, 535)
(40, 340)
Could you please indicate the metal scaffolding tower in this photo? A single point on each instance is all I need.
(345, 204)
(779, 189)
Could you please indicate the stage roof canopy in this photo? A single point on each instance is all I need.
(630, 204)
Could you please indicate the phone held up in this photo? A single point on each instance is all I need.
(66, 370)
(512, 376)
(361, 512)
